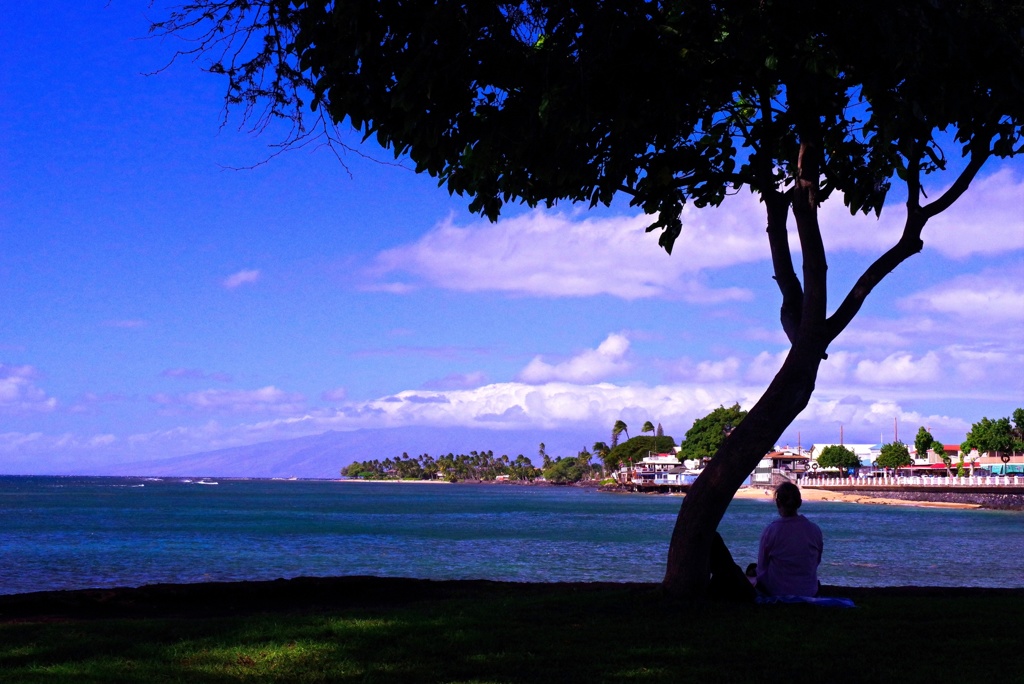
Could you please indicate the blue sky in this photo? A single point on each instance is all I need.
(156, 302)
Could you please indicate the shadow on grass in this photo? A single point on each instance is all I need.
(494, 632)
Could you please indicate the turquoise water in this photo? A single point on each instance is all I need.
(67, 533)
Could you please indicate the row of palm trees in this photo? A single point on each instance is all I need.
(620, 427)
(601, 449)
(476, 465)
(484, 465)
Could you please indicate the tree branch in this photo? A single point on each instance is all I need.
(777, 205)
(908, 245)
(910, 242)
(805, 212)
(960, 185)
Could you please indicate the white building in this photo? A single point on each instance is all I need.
(782, 464)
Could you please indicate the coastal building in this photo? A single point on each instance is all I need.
(651, 466)
(782, 465)
(951, 451)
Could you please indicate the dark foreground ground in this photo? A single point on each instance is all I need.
(317, 594)
(369, 629)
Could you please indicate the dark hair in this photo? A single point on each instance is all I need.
(787, 497)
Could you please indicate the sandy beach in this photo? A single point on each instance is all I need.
(826, 495)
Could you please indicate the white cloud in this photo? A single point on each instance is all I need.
(264, 400)
(19, 394)
(716, 371)
(977, 299)
(987, 219)
(899, 369)
(589, 366)
(865, 410)
(544, 253)
(548, 405)
(552, 254)
(764, 366)
(241, 278)
(870, 421)
(834, 369)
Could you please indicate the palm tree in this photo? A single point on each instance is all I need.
(583, 458)
(649, 427)
(617, 430)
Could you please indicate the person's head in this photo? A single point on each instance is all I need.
(787, 499)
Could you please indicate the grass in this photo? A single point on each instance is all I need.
(537, 633)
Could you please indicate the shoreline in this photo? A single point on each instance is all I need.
(749, 493)
(767, 494)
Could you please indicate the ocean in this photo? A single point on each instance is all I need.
(88, 532)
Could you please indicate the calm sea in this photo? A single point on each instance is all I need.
(67, 533)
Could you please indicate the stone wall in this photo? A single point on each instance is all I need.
(986, 497)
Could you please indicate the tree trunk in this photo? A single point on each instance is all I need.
(804, 321)
(686, 576)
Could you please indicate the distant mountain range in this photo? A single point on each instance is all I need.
(324, 455)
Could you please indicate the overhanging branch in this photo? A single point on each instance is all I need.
(910, 242)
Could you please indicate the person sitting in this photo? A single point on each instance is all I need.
(790, 549)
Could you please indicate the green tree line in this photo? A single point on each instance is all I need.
(481, 466)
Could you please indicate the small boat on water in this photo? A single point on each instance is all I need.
(206, 482)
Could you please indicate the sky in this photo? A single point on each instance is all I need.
(158, 298)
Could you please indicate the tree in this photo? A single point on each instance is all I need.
(995, 436)
(940, 451)
(648, 427)
(618, 429)
(837, 456)
(894, 455)
(563, 471)
(707, 435)
(923, 442)
(583, 457)
(635, 449)
(1018, 429)
(601, 450)
(665, 103)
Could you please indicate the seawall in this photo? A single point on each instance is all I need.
(998, 498)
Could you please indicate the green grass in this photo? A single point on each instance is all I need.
(528, 635)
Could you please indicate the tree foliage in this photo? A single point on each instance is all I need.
(894, 455)
(923, 442)
(476, 465)
(707, 434)
(635, 449)
(999, 436)
(837, 456)
(566, 470)
(617, 429)
(667, 103)
(546, 101)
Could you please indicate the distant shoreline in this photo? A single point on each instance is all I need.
(360, 480)
(748, 493)
(766, 493)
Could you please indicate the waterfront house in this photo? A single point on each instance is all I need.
(647, 468)
(781, 465)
